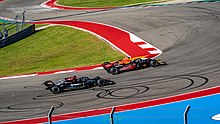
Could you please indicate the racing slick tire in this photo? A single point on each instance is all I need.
(55, 90)
(114, 70)
(101, 82)
(153, 63)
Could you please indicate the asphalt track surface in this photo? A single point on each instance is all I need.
(188, 35)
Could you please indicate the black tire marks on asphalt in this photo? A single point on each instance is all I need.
(140, 88)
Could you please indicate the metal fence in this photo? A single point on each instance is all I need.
(17, 36)
(10, 27)
(112, 118)
(15, 30)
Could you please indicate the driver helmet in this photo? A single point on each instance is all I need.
(74, 77)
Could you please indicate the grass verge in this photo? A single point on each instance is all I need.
(53, 48)
(100, 3)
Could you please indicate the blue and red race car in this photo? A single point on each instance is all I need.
(131, 64)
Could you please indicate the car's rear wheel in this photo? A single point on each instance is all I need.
(55, 90)
(114, 70)
(101, 82)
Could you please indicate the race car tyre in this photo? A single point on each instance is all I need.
(101, 82)
(113, 70)
(153, 63)
(55, 90)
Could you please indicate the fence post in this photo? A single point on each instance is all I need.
(16, 23)
(3, 29)
(23, 20)
(111, 115)
(185, 114)
(50, 115)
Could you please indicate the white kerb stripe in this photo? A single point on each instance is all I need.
(144, 46)
(62, 72)
(21, 76)
(155, 52)
(97, 68)
(134, 38)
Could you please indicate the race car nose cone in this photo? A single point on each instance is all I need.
(216, 117)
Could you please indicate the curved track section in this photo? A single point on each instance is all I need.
(52, 4)
(188, 35)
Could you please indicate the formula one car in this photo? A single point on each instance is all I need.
(131, 64)
(73, 83)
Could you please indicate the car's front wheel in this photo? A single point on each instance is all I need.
(101, 82)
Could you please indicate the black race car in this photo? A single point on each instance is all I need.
(127, 64)
(73, 83)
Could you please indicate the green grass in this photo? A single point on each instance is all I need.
(100, 3)
(53, 48)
